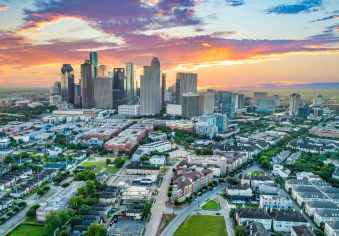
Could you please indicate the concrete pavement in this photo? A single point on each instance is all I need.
(226, 213)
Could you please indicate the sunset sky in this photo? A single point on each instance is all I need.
(230, 43)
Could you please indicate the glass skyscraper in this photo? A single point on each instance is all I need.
(93, 57)
(67, 83)
(130, 84)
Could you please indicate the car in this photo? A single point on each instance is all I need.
(218, 213)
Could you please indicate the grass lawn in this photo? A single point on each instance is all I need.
(202, 225)
(100, 165)
(257, 173)
(26, 229)
(211, 205)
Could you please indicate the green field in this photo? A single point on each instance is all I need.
(27, 229)
(202, 225)
(100, 165)
(211, 205)
(257, 173)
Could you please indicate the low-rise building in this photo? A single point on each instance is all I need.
(239, 191)
(121, 144)
(312, 206)
(136, 168)
(275, 202)
(332, 228)
(283, 220)
(301, 230)
(321, 216)
(254, 215)
(129, 110)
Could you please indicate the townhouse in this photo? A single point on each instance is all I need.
(321, 216)
(283, 220)
(311, 206)
(275, 202)
(254, 215)
(332, 228)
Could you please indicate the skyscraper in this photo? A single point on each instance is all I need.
(87, 84)
(67, 83)
(185, 83)
(150, 95)
(103, 93)
(56, 89)
(102, 71)
(227, 102)
(93, 57)
(190, 105)
(130, 84)
(266, 105)
(77, 95)
(163, 89)
(206, 103)
(295, 101)
(258, 95)
(119, 92)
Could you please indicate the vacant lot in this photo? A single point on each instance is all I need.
(202, 225)
(27, 229)
(211, 205)
(100, 166)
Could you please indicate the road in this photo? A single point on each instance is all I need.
(184, 213)
(226, 213)
(21, 216)
(159, 206)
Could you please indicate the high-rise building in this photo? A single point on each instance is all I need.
(87, 85)
(227, 103)
(319, 100)
(304, 112)
(266, 105)
(163, 90)
(258, 95)
(102, 71)
(67, 83)
(240, 101)
(150, 91)
(295, 102)
(185, 83)
(206, 103)
(190, 105)
(119, 92)
(77, 95)
(56, 89)
(93, 57)
(130, 84)
(103, 93)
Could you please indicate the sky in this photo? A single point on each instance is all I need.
(229, 43)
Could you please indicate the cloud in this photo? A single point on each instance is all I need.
(4, 8)
(303, 6)
(326, 18)
(235, 3)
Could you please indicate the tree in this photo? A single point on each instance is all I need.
(77, 202)
(119, 162)
(144, 159)
(239, 230)
(55, 220)
(147, 211)
(32, 211)
(96, 230)
(108, 161)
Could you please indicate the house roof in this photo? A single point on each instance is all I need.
(253, 213)
(322, 204)
(288, 215)
(303, 230)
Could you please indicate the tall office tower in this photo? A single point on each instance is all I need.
(319, 100)
(190, 105)
(77, 95)
(150, 91)
(304, 112)
(93, 57)
(130, 84)
(163, 90)
(185, 83)
(240, 101)
(277, 100)
(258, 95)
(103, 98)
(102, 71)
(67, 83)
(87, 84)
(206, 103)
(119, 92)
(56, 89)
(227, 101)
(266, 105)
(295, 101)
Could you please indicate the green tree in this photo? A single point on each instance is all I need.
(55, 220)
(239, 230)
(77, 202)
(32, 211)
(119, 162)
(96, 230)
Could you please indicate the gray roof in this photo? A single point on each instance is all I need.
(322, 204)
(253, 213)
(288, 215)
(333, 224)
(303, 230)
(327, 212)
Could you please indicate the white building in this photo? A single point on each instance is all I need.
(254, 215)
(173, 109)
(284, 220)
(275, 202)
(129, 110)
(332, 228)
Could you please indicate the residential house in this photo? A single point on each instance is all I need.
(254, 215)
(283, 220)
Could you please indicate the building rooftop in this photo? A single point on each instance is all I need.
(288, 215)
(250, 213)
(303, 230)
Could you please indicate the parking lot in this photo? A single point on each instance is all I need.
(127, 227)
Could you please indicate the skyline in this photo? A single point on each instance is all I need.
(211, 38)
